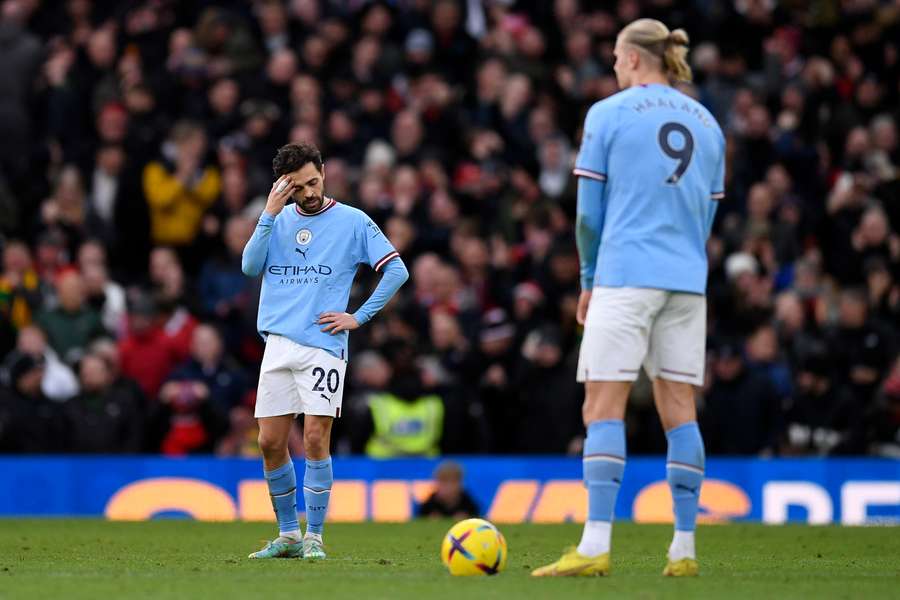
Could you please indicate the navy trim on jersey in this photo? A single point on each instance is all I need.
(329, 203)
(386, 259)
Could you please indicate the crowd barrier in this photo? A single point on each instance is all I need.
(508, 490)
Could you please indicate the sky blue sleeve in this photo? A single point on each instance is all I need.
(394, 274)
(718, 182)
(377, 250)
(593, 156)
(589, 227)
(257, 248)
(591, 170)
(717, 190)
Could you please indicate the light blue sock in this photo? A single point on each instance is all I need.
(317, 491)
(604, 465)
(684, 470)
(283, 490)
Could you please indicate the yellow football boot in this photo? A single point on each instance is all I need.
(573, 564)
(686, 567)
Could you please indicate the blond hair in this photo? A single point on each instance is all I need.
(670, 47)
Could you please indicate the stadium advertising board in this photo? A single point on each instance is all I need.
(509, 490)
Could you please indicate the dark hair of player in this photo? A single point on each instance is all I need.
(291, 157)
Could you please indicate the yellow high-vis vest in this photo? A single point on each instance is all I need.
(405, 428)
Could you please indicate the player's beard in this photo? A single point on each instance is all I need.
(311, 204)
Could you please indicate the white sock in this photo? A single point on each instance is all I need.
(291, 535)
(595, 539)
(317, 536)
(682, 545)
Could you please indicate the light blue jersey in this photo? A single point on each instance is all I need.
(653, 163)
(309, 263)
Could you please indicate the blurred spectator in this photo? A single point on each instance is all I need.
(174, 300)
(242, 437)
(369, 374)
(180, 187)
(199, 396)
(209, 365)
(763, 357)
(187, 418)
(556, 159)
(105, 417)
(861, 348)
(20, 293)
(406, 419)
(822, 417)
(548, 412)
(59, 381)
(146, 353)
(73, 324)
(740, 409)
(227, 42)
(105, 192)
(66, 210)
(885, 416)
(104, 295)
(492, 369)
(29, 421)
(449, 499)
(51, 258)
(222, 285)
(21, 63)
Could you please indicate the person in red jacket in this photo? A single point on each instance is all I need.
(147, 354)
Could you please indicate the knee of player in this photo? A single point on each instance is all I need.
(597, 410)
(270, 444)
(314, 440)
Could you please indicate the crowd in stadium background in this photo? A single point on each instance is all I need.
(137, 140)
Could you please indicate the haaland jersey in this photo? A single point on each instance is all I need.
(661, 155)
(309, 265)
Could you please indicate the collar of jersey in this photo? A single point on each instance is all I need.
(329, 202)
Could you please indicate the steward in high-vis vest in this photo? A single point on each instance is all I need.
(405, 428)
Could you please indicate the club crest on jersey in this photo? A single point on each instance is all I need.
(304, 237)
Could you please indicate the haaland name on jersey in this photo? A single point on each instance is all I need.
(660, 157)
(644, 104)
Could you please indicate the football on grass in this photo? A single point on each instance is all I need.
(474, 547)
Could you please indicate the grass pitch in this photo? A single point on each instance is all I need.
(186, 559)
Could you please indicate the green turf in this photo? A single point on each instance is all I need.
(184, 559)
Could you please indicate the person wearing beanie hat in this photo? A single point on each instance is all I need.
(29, 421)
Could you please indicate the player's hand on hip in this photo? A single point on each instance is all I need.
(282, 189)
(336, 321)
(584, 300)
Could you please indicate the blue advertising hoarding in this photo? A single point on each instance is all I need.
(519, 489)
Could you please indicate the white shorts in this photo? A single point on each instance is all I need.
(295, 379)
(629, 327)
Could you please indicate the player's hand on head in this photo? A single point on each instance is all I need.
(337, 321)
(282, 189)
